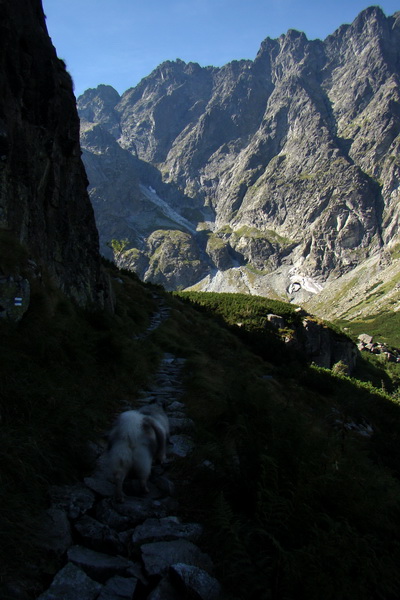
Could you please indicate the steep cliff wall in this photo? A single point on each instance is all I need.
(291, 161)
(44, 204)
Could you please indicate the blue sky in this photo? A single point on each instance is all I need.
(118, 42)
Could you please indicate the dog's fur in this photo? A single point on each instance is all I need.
(137, 438)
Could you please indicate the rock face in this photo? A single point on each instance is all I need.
(285, 169)
(44, 206)
(317, 342)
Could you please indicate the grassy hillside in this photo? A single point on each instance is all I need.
(384, 327)
(283, 477)
(250, 311)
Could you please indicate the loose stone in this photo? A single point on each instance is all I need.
(97, 565)
(71, 583)
(195, 582)
(159, 556)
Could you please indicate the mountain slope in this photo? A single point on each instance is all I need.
(287, 166)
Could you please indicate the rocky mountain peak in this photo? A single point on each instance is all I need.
(285, 166)
(370, 20)
(97, 105)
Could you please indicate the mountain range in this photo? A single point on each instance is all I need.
(277, 176)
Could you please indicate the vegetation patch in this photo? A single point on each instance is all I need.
(215, 242)
(255, 271)
(268, 234)
(384, 327)
(241, 308)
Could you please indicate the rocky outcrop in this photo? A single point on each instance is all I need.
(289, 161)
(366, 344)
(44, 206)
(317, 342)
(326, 348)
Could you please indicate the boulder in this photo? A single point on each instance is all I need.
(276, 321)
(100, 566)
(55, 536)
(98, 536)
(159, 556)
(364, 338)
(182, 445)
(71, 583)
(100, 485)
(317, 343)
(107, 514)
(139, 509)
(166, 529)
(181, 425)
(165, 591)
(119, 588)
(76, 500)
(194, 582)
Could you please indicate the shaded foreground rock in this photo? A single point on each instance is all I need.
(194, 582)
(44, 205)
(56, 535)
(165, 529)
(99, 566)
(165, 591)
(159, 556)
(118, 588)
(69, 582)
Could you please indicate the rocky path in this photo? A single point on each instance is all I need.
(157, 318)
(138, 549)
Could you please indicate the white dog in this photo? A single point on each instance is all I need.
(138, 437)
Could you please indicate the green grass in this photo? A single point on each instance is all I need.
(235, 308)
(268, 234)
(384, 327)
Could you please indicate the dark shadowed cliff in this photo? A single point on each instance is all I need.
(44, 205)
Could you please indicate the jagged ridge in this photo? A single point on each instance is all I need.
(287, 166)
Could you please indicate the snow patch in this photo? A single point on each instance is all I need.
(299, 281)
(165, 208)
